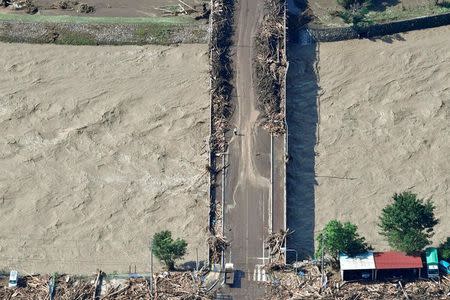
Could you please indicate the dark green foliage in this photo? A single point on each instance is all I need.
(340, 237)
(408, 222)
(168, 250)
(355, 17)
(349, 4)
(444, 250)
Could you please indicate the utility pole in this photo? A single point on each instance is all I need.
(322, 263)
(196, 262)
(151, 269)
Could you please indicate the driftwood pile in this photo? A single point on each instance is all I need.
(166, 286)
(221, 71)
(27, 5)
(200, 11)
(37, 287)
(274, 243)
(217, 244)
(270, 66)
(288, 285)
(221, 27)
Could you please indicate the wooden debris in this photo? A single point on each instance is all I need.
(217, 244)
(274, 243)
(270, 67)
(174, 285)
(221, 27)
(288, 285)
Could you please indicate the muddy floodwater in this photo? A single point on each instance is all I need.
(367, 119)
(100, 148)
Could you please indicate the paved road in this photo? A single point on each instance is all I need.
(248, 175)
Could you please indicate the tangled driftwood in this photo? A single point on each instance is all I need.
(221, 71)
(274, 242)
(176, 285)
(221, 21)
(217, 244)
(270, 66)
(288, 285)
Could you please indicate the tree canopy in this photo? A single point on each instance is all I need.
(444, 249)
(340, 237)
(166, 249)
(408, 222)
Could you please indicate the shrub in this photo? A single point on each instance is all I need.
(168, 250)
(444, 249)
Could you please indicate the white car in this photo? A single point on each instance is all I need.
(13, 276)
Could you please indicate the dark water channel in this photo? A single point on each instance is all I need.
(302, 119)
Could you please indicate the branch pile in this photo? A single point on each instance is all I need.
(167, 286)
(270, 67)
(221, 71)
(288, 285)
(221, 21)
(274, 242)
(217, 244)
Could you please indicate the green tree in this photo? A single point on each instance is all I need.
(353, 4)
(340, 237)
(408, 222)
(168, 250)
(444, 249)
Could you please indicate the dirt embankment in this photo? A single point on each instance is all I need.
(101, 147)
(377, 121)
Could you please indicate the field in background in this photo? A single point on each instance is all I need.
(379, 12)
(101, 147)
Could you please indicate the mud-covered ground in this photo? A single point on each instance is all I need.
(367, 119)
(117, 8)
(101, 147)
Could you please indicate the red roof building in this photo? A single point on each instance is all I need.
(396, 260)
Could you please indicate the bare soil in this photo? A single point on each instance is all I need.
(101, 147)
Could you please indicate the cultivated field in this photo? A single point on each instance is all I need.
(100, 148)
(377, 121)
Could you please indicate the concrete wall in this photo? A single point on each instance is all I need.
(322, 34)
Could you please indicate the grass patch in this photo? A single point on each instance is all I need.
(72, 38)
(399, 14)
(97, 20)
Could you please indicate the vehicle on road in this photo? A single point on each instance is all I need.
(445, 267)
(229, 273)
(432, 262)
(13, 276)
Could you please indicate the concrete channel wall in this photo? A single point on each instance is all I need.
(101, 34)
(324, 34)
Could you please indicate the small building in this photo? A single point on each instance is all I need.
(431, 255)
(396, 264)
(359, 267)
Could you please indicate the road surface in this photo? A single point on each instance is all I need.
(248, 190)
